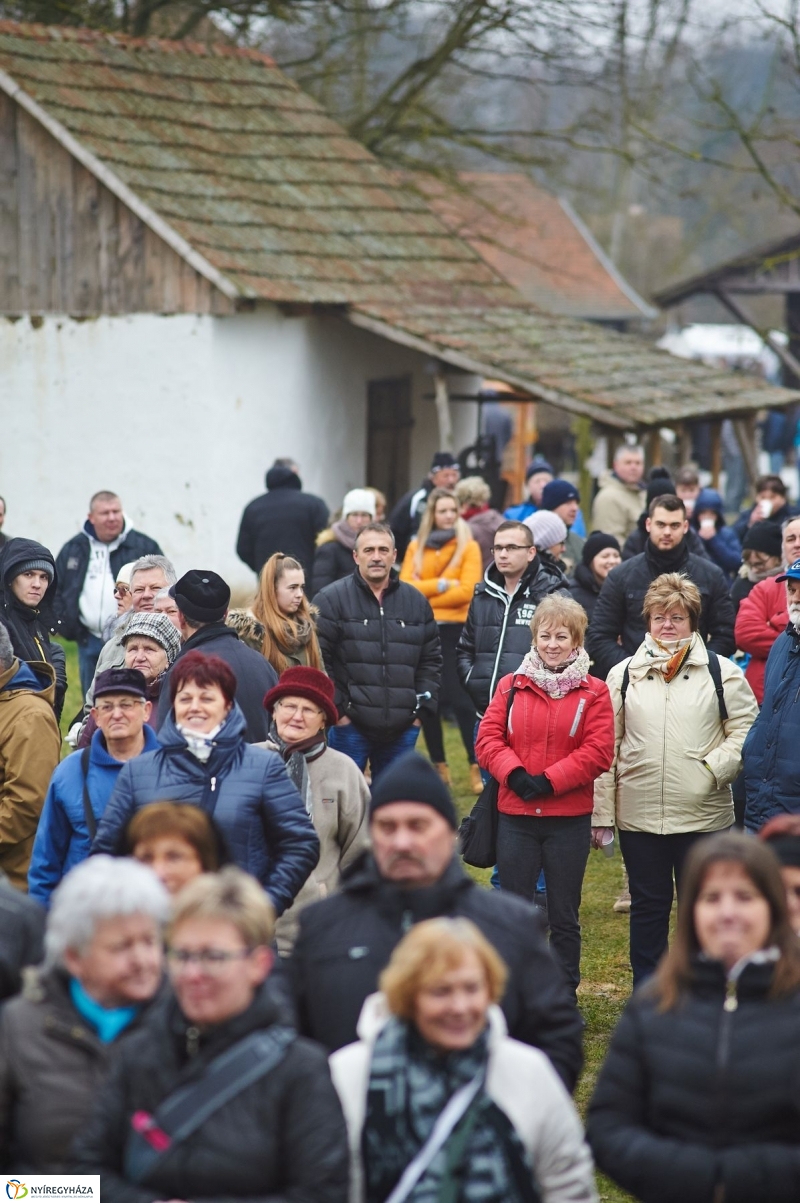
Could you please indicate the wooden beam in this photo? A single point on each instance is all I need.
(745, 431)
(784, 355)
(442, 403)
(654, 447)
(716, 451)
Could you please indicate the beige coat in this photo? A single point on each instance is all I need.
(30, 748)
(339, 804)
(617, 507)
(674, 760)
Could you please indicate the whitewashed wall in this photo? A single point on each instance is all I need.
(182, 415)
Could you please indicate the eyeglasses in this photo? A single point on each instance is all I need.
(206, 958)
(511, 547)
(290, 708)
(121, 590)
(127, 707)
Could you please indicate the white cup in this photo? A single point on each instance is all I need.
(607, 842)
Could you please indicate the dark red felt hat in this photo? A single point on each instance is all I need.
(307, 683)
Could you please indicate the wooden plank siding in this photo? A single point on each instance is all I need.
(68, 245)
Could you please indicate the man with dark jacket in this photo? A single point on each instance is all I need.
(617, 627)
(28, 586)
(407, 514)
(87, 569)
(411, 874)
(659, 485)
(380, 643)
(771, 752)
(203, 598)
(21, 936)
(497, 633)
(282, 519)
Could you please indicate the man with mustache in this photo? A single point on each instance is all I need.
(413, 873)
(771, 751)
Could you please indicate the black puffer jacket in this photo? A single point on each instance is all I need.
(379, 655)
(282, 519)
(497, 633)
(71, 566)
(21, 936)
(637, 541)
(345, 941)
(30, 629)
(585, 588)
(618, 611)
(280, 1140)
(332, 562)
(701, 1103)
(255, 676)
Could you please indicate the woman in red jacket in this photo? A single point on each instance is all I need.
(546, 752)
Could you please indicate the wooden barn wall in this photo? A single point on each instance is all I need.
(68, 245)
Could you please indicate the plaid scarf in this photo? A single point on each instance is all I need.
(410, 1084)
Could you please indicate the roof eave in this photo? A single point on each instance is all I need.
(644, 310)
(121, 190)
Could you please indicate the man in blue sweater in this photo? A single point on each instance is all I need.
(82, 784)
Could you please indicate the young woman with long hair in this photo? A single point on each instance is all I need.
(289, 620)
(444, 563)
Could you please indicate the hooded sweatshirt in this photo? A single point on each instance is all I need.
(723, 547)
(97, 603)
(30, 627)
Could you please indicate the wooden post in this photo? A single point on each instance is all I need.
(716, 451)
(684, 444)
(745, 431)
(582, 428)
(442, 403)
(654, 448)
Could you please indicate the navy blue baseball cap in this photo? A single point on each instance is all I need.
(792, 573)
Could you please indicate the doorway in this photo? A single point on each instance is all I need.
(389, 424)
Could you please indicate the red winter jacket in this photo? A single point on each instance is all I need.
(761, 619)
(569, 739)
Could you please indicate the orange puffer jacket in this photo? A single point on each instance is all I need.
(453, 603)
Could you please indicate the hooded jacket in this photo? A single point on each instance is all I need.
(30, 747)
(72, 565)
(246, 790)
(346, 941)
(29, 629)
(761, 618)
(381, 655)
(282, 1139)
(700, 1103)
(772, 749)
(617, 507)
(282, 519)
(497, 631)
(519, 1080)
(674, 759)
(618, 612)
(637, 540)
(62, 837)
(724, 547)
(255, 676)
(333, 560)
(780, 515)
(52, 1066)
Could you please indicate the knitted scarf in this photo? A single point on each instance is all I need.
(667, 657)
(297, 757)
(410, 1084)
(437, 539)
(296, 633)
(344, 534)
(556, 683)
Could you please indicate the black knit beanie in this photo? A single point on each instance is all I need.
(659, 485)
(412, 778)
(597, 541)
(765, 537)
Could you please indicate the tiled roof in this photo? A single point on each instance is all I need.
(247, 177)
(616, 378)
(537, 243)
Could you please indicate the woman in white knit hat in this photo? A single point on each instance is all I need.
(333, 558)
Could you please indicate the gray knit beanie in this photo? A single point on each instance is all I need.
(547, 529)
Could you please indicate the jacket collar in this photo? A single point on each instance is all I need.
(392, 584)
(752, 976)
(495, 582)
(427, 902)
(28, 676)
(213, 630)
(101, 756)
(91, 534)
(226, 744)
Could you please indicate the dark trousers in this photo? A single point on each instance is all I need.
(452, 695)
(653, 862)
(361, 748)
(88, 655)
(559, 845)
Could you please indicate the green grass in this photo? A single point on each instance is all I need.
(606, 973)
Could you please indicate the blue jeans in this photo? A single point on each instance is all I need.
(361, 748)
(88, 655)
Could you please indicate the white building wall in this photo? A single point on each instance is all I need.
(183, 414)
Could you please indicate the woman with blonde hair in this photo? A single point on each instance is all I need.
(444, 563)
(682, 714)
(546, 736)
(289, 621)
(698, 1097)
(440, 1103)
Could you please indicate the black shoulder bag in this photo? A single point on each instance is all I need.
(88, 813)
(477, 836)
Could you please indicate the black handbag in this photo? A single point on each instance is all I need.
(477, 835)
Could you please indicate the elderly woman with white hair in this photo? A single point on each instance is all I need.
(102, 969)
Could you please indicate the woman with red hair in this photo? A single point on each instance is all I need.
(205, 760)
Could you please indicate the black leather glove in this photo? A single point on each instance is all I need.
(527, 787)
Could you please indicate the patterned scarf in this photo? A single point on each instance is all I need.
(200, 744)
(409, 1086)
(556, 683)
(297, 757)
(667, 657)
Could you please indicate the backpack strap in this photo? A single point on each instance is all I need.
(716, 677)
(88, 813)
(626, 680)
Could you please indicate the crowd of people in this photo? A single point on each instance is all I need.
(240, 954)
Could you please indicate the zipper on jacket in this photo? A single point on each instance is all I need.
(192, 1041)
(385, 666)
(577, 718)
(508, 600)
(213, 784)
